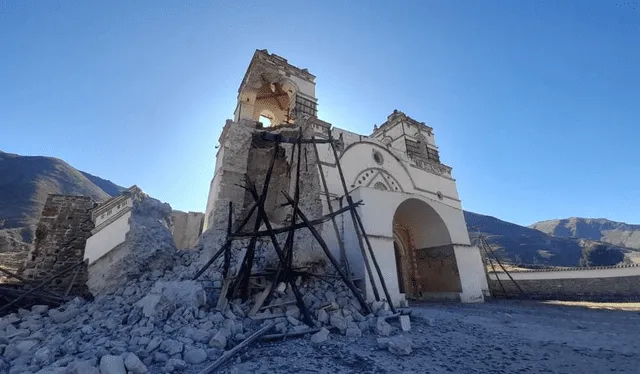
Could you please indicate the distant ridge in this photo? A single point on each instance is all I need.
(600, 229)
(528, 246)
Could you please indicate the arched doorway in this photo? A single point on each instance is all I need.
(425, 260)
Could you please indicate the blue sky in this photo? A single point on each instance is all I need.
(536, 105)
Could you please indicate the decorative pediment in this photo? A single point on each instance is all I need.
(377, 178)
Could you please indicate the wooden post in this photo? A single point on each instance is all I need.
(226, 245)
(355, 224)
(42, 284)
(333, 260)
(245, 271)
(274, 241)
(16, 276)
(296, 200)
(503, 269)
(228, 354)
(375, 262)
(343, 252)
(227, 254)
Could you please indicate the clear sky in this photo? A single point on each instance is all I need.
(536, 105)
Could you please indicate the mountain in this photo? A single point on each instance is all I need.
(25, 183)
(600, 229)
(107, 186)
(517, 244)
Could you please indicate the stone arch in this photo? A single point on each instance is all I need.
(428, 265)
(273, 98)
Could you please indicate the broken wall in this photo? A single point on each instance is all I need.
(244, 153)
(187, 228)
(148, 247)
(61, 234)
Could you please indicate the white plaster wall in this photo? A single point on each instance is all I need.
(127, 203)
(385, 255)
(380, 207)
(377, 217)
(472, 274)
(106, 239)
(570, 274)
(305, 87)
(359, 156)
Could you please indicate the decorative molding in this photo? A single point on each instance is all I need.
(110, 220)
(369, 175)
(433, 167)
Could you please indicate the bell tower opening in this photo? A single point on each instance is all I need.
(274, 92)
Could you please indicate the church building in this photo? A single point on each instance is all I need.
(410, 208)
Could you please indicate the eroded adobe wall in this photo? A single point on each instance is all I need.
(61, 234)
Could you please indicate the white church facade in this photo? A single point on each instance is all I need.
(410, 209)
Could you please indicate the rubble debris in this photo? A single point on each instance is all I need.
(321, 336)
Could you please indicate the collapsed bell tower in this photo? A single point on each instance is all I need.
(277, 98)
(276, 91)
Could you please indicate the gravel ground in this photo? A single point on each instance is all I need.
(494, 337)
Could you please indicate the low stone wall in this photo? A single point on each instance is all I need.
(591, 284)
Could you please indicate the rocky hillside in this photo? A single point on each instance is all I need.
(25, 183)
(527, 246)
(600, 229)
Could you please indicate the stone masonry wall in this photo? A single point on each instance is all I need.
(63, 229)
(588, 289)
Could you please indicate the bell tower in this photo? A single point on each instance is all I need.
(275, 92)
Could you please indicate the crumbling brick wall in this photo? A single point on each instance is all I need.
(61, 234)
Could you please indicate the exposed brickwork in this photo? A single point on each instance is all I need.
(63, 229)
(593, 289)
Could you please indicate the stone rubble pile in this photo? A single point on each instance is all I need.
(158, 320)
(161, 325)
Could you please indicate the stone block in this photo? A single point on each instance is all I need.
(320, 336)
(134, 364)
(195, 356)
(112, 365)
(405, 323)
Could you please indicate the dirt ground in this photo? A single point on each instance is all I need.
(494, 337)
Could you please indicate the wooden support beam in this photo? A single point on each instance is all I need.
(325, 188)
(228, 354)
(42, 284)
(274, 241)
(375, 261)
(355, 223)
(222, 299)
(226, 245)
(333, 260)
(283, 139)
(243, 235)
(227, 253)
(21, 279)
(296, 201)
(245, 270)
(73, 281)
(262, 296)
